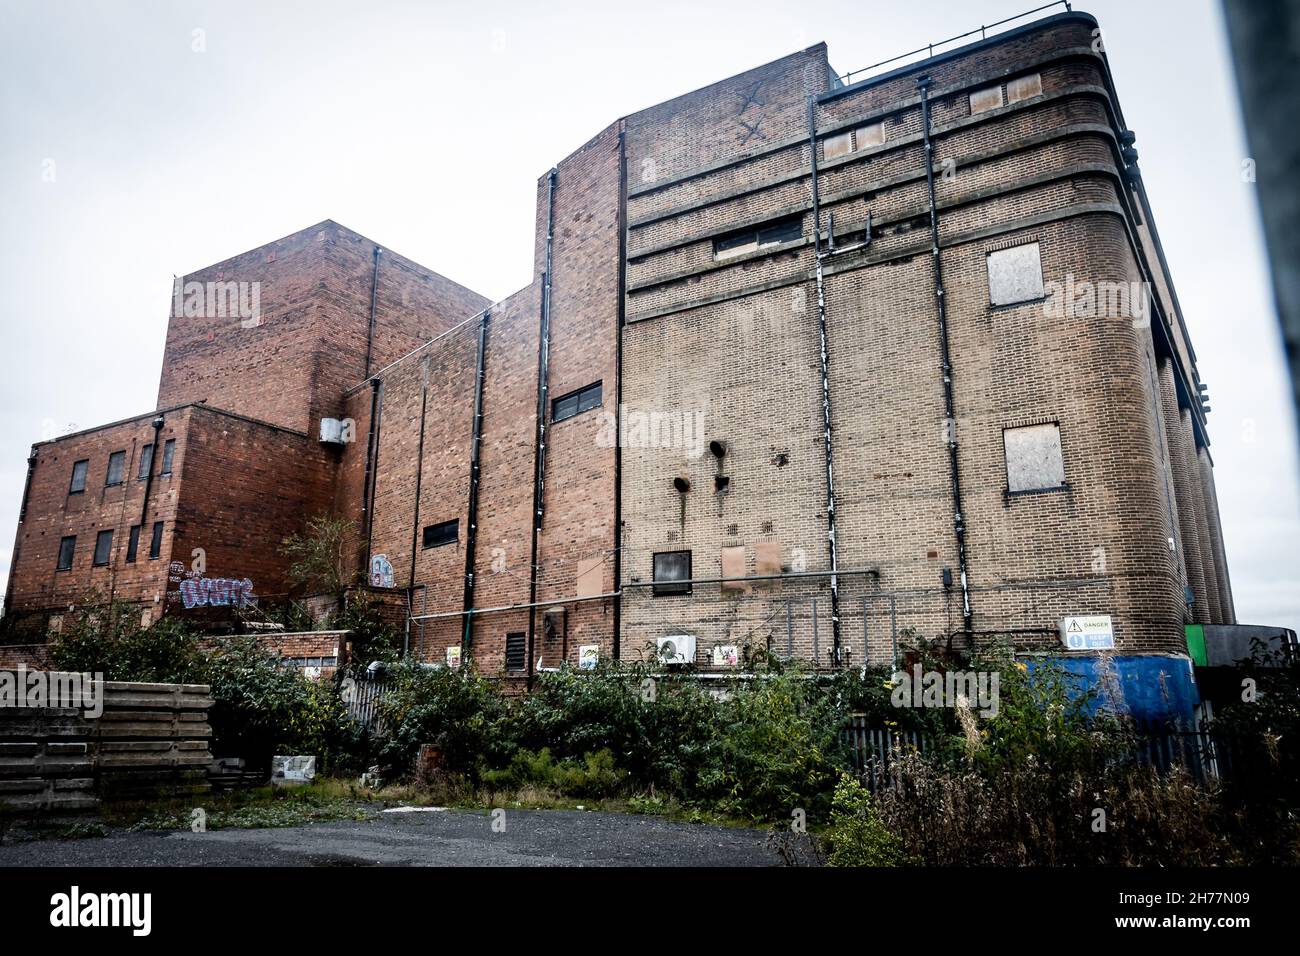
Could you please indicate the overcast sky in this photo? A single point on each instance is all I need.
(425, 125)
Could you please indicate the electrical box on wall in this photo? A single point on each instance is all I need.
(331, 431)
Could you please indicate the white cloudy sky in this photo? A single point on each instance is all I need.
(425, 125)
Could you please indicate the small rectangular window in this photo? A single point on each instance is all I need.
(103, 548)
(67, 548)
(1023, 87)
(516, 651)
(146, 460)
(169, 452)
(79, 469)
(989, 98)
(155, 543)
(1034, 461)
(116, 468)
(764, 236)
(133, 544)
(447, 532)
(672, 573)
(873, 135)
(575, 403)
(1015, 275)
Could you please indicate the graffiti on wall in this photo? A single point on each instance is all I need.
(197, 590)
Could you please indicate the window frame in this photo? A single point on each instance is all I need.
(670, 588)
(169, 457)
(427, 541)
(146, 461)
(132, 544)
(579, 396)
(71, 541)
(155, 541)
(751, 239)
(104, 537)
(85, 474)
(120, 457)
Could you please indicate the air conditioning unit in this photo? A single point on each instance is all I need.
(676, 649)
(331, 431)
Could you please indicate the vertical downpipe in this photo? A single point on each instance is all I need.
(368, 486)
(539, 454)
(618, 391)
(415, 530)
(836, 649)
(476, 439)
(958, 520)
(374, 296)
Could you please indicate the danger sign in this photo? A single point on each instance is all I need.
(1092, 632)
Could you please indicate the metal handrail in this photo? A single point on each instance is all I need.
(928, 49)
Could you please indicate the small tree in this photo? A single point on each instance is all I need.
(319, 558)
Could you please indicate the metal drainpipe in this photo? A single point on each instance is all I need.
(367, 488)
(958, 520)
(539, 453)
(837, 649)
(415, 530)
(618, 388)
(374, 296)
(476, 438)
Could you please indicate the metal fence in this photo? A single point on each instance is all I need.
(362, 699)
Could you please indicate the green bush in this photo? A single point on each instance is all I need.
(595, 775)
(857, 836)
(109, 640)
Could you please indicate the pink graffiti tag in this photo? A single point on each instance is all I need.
(218, 592)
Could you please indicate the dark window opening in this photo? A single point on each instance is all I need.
(133, 544)
(575, 403)
(103, 547)
(79, 469)
(67, 547)
(146, 460)
(670, 568)
(516, 651)
(116, 468)
(762, 236)
(155, 544)
(436, 535)
(169, 452)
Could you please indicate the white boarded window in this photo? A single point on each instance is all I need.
(989, 98)
(1034, 460)
(873, 135)
(839, 145)
(1023, 87)
(1015, 275)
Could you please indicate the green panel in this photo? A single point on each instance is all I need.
(1196, 643)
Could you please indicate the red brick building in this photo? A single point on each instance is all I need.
(808, 363)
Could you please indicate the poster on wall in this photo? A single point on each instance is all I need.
(381, 572)
(588, 656)
(453, 656)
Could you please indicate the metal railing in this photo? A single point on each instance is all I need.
(929, 48)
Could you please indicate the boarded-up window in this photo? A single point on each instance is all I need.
(1023, 87)
(591, 576)
(67, 548)
(989, 98)
(733, 566)
(1034, 460)
(78, 484)
(873, 135)
(103, 547)
(116, 467)
(1015, 275)
(767, 560)
(840, 144)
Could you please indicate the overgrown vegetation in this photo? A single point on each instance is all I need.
(1051, 778)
